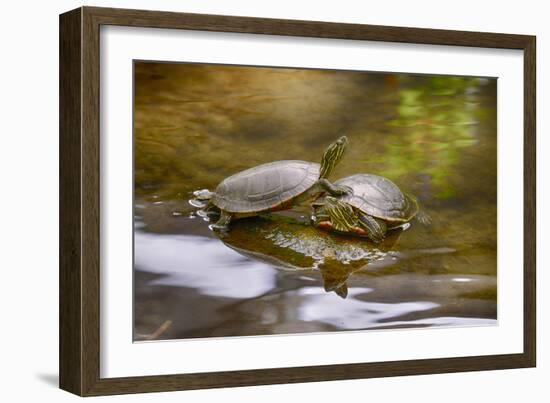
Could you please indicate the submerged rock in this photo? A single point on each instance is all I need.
(292, 245)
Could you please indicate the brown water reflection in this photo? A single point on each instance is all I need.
(197, 124)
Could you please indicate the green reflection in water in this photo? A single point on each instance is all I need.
(436, 118)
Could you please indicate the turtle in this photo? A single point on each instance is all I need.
(272, 186)
(374, 206)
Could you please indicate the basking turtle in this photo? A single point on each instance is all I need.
(273, 186)
(375, 205)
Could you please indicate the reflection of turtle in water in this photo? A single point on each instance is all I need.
(292, 247)
(273, 186)
(375, 205)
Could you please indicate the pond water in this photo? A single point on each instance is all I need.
(434, 136)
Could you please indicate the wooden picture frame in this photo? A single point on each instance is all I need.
(79, 200)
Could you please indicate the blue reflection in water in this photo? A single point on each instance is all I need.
(359, 314)
(202, 263)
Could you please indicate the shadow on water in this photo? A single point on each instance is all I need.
(433, 136)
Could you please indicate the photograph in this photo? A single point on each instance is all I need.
(286, 200)
(249, 199)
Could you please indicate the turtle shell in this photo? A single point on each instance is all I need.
(265, 187)
(378, 197)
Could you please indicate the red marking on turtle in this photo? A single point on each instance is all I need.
(327, 225)
(286, 205)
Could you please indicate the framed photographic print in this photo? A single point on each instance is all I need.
(251, 201)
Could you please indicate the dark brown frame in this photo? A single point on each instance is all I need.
(79, 200)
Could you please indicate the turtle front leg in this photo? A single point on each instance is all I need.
(376, 230)
(319, 187)
(211, 210)
(223, 222)
(325, 186)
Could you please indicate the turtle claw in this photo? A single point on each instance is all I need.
(198, 203)
(424, 218)
(223, 223)
(221, 231)
(219, 227)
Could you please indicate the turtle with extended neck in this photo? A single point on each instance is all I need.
(273, 186)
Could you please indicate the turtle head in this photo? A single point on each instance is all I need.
(203, 194)
(202, 198)
(341, 214)
(332, 156)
